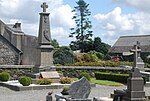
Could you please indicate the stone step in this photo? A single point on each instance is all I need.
(147, 84)
(103, 99)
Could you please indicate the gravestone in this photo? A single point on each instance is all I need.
(50, 75)
(138, 62)
(45, 57)
(135, 82)
(53, 75)
(78, 91)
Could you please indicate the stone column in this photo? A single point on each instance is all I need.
(45, 57)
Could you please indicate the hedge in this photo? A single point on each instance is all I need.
(122, 78)
(86, 75)
(111, 76)
(44, 81)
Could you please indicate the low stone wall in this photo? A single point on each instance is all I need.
(74, 71)
(70, 71)
(17, 70)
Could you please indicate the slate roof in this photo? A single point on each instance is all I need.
(125, 43)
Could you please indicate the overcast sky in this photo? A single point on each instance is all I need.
(110, 18)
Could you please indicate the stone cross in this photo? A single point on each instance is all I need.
(136, 51)
(44, 6)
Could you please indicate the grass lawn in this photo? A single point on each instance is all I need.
(106, 82)
(103, 82)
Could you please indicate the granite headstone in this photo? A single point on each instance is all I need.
(80, 89)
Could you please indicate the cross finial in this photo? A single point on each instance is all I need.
(136, 49)
(44, 6)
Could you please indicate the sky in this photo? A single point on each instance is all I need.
(110, 18)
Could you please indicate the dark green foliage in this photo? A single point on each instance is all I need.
(44, 82)
(4, 76)
(55, 44)
(99, 46)
(122, 78)
(86, 75)
(107, 57)
(25, 81)
(65, 80)
(63, 56)
(82, 30)
(147, 65)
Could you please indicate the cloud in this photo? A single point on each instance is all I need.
(62, 16)
(61, 35)
(27, 12)
(142, 5)
(115, 24)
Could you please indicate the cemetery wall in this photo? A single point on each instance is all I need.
(17, 70)
(74, 71)
(70, 71)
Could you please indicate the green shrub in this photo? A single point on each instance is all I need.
(64, 55)
(25, 81)
(44, 82)
(86, 75)
(98, 54)
(65, 80)
(111, 76)
(4, 76)
(101, 63)
(65, 90)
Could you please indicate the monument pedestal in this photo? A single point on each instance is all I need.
(46, 55)
(45, 58)
(135, 86)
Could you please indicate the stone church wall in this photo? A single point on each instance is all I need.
(8, 55)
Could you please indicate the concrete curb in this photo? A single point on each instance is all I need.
(37, 87)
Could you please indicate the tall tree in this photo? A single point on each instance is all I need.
(82, 30)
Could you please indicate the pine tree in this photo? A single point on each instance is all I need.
(82, 30)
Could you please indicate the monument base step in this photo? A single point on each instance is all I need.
(103, 99)
(147, 84)
(38, 69)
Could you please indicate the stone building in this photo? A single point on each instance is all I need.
(124, 44)
(16, 47)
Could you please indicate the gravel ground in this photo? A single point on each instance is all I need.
(40, 95)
